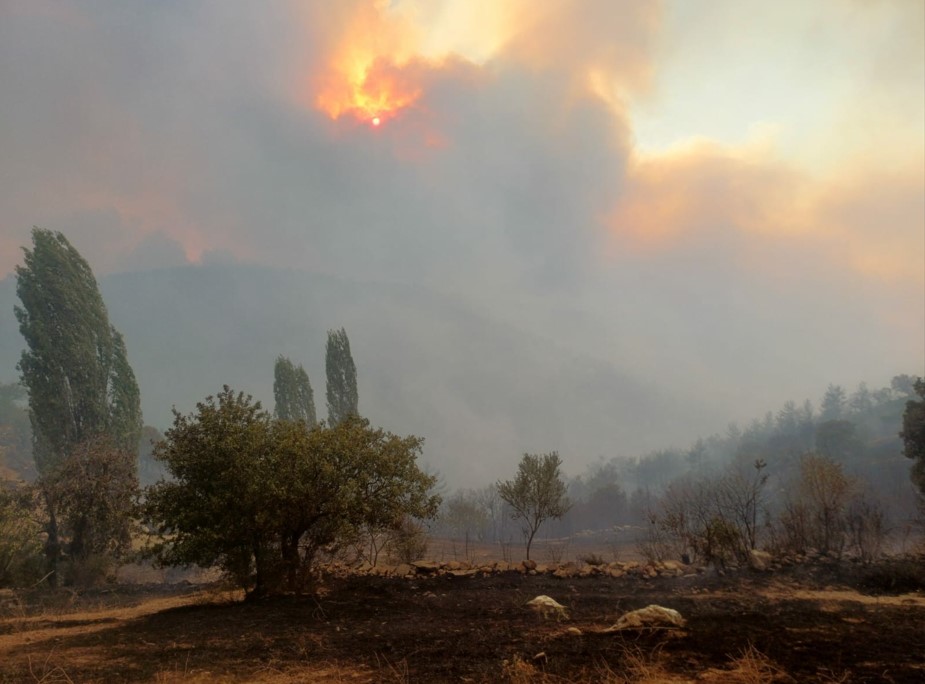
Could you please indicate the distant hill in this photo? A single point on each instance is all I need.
(480, 391)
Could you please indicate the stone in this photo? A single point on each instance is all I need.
(650, 617)
(546, 606)
(759, 560)
(425, 567)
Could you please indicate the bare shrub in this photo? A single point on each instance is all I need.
(815, 514)
(656, 544)
(592, 559)
(409, 541)
(865, 520)
(557, 550)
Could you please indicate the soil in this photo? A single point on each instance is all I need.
(819, 623)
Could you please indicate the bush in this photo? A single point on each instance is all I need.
(21, 559)
(592, 559)
(262, 498)
(895, 576)
(409, 542)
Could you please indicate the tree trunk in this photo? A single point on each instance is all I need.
(52, 545)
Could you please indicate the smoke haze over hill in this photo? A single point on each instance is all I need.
(593, 226)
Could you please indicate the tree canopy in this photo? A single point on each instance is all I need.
(342, 378)
(80, 385)
(913, 434)
(75, 366)
(537, 493)
(260, 497)
(293, 393)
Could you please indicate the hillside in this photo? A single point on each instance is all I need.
(478, 389)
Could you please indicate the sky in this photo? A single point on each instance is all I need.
(723, 200)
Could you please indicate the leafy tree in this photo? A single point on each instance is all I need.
(293, 393)
(463, 515)
(862, 400)
(904, 385)
(94, 488)
(259, 498)
(788, 418)
(125, 422)
(15, 433)
(536, 494)
(838, 439)
(913, 434)
(342, 378)
(833, 403)
(20, 548)
(75, 366)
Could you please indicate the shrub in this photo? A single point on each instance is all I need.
(261, 498)
(21, 558)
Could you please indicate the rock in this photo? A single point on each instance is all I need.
(573, 631)
(529, 564)
(759, 560)
(402, 570)
(425, 567)
(650, 617)
(546, 606)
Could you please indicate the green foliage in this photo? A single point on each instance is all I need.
(833, 403)
(81, 386)
(293, 393)
(536, 494)
(408, 543)
(15, 433)
(260, 498)
(20, 537)
(75, 367)
(913, 434)
(125, 422)
(93, 490)
(342, 378)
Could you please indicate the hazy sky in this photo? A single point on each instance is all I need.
(726, 198)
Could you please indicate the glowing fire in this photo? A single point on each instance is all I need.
(369, 89)
(370, 74)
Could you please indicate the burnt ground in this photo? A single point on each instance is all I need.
(826, 623)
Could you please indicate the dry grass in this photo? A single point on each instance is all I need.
(752, 666)
(48, 673)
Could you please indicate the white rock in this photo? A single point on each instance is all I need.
(650, 617)
(546, 606)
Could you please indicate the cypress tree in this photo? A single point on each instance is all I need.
(293, 393)
(75, 367)
(342, 378)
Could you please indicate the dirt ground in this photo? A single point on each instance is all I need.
(821, 623)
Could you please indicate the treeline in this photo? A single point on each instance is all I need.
(263, 495)
(858, 432)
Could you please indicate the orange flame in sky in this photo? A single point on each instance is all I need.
(367, 88)
(366, 76)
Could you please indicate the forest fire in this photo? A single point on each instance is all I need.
(368, 89)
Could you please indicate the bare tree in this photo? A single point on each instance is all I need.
(814, 515)
(740, 496)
